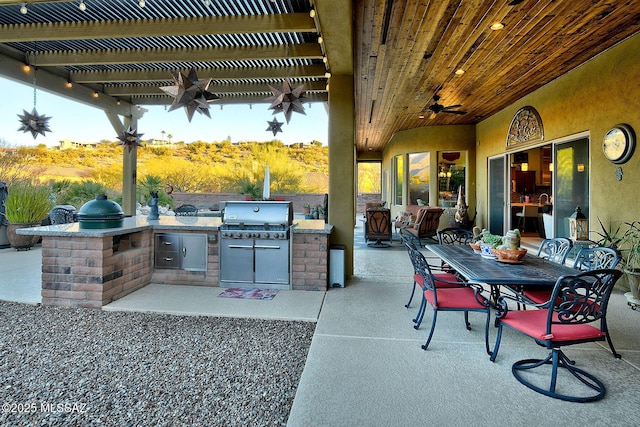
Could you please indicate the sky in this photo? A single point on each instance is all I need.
(82, 123)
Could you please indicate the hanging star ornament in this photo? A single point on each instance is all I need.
(34, 123)
(275, 126)
(190, 93)
(130, 138)
(287, 99)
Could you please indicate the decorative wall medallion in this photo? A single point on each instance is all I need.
(526, 127)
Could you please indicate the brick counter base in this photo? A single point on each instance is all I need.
(87, 272)
(310, 261)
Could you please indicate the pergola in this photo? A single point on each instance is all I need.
(378, 64)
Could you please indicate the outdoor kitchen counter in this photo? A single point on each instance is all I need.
(311, 226)
(130, 225)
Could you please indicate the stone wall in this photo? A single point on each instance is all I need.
(364, 198)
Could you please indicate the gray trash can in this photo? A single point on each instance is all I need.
(336, 266)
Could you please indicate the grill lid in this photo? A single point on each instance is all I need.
(258, 213)
(100, 213)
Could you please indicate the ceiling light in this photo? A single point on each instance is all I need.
(497, 26)
(207, 2)
(82, 6)
(312, 13)
(95, 94)
(68, 84)
(327, 75)
(421, 116)
(26, 68)
(118, 102)
(459, 72)
(23, 9)
(141, 3)
(320, 39)
(324, 59)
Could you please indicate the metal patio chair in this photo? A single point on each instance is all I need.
(575, 314)
(186, 210)
(444, 295)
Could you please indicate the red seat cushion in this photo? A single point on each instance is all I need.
(537, 296)
(534, 324)
(454, 298)
(448, 277)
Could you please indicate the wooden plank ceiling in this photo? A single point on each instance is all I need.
(408, 50)
(401, 52)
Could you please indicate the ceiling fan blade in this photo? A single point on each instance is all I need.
(454, 112)
(453, 106)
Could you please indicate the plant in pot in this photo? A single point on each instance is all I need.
(306, 209)
(26, 206)
(630, 244)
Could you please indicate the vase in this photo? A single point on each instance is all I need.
(18, 241)
(633, 278)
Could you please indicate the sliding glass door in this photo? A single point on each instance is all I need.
(497, 192)
(572, 182)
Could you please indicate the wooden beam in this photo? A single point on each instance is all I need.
(13, 70)
(193, 54)
(219, 88)
(310, 71)
(193, 26)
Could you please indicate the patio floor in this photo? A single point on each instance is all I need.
(365, 366)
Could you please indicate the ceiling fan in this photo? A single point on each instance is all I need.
(436, 108)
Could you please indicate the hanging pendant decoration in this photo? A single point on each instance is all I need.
(275, 126)
(190, 93)
(287, 100)
(130, 138)
(33, 122)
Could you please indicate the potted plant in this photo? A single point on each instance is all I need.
(26, 206)
(630, 244)
(306, 209)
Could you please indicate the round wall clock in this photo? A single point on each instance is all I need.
(618, 144)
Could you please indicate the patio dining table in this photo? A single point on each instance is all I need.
(532, 271)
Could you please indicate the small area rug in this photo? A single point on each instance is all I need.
(247, 293)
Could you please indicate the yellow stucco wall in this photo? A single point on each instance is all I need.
(590, 99)
(432, 139)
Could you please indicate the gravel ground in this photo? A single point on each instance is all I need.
(88, 367)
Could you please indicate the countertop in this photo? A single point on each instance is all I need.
(139, 223)
(518, 204)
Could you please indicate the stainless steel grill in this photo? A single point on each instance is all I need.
(255, 247)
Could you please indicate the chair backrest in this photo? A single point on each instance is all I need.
(582, 298)
(378, 224)
(186, 210)
(530, 210)
(454, 236)
(428, 221)
(61, 216)
(596, 258)
(555, 249)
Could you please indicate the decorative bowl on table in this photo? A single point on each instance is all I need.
(485, 250)
(513, 256)
(475, 247)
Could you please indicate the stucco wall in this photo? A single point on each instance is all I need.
(590, 99)
(432, 139)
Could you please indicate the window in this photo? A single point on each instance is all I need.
(419, 178)
(452, 166)
(398, 167)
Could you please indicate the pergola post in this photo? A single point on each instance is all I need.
(129, 163)
(342, 164)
